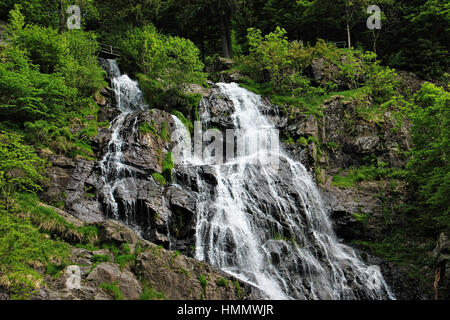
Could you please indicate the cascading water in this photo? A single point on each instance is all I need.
(267, 225)
(129, 99)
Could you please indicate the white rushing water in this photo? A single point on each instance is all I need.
(266, 223)
(129, 99)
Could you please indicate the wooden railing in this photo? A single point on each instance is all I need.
(108, 50)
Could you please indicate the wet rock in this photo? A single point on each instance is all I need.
(216, 110)
(182, 223)
(114, 232)
(196, 89)
(177, 277)
(441, 254)
(403, 287)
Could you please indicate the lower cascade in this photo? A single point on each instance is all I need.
(260, 221)
(266, 224)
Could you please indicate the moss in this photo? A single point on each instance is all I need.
(165, 134)
(124, 259)
(302, 141)
(159, 178)
(366, 173)
(187, 123)
(167, 167)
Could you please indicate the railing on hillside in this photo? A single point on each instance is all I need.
(340, 44)
(108, 50)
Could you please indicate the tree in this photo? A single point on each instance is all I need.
(429, 165)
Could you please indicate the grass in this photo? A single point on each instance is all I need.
(308, 103)
(23, 249)
(48, 220)
(124, 259)
(113, 289)
(151, 294)
(238, 290)
(204, 284)
(366, 173)
(222, 282)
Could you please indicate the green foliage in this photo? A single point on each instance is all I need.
(99, 258)
(23, 247)
(429, 165)
(204, 283)
(187, 123)
(222, 282)
(26, 94)
(124, 259)
(151, 294)
(146, 128)
(113, 289)
(48, 220)
(20, 168)
(174, 61)
(367, 173)
(238, 290)
(168, 166)
(159, 178)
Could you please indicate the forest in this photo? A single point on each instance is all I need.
(51, 82)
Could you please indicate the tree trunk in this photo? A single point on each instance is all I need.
(223, 35)
(228, 31)
(349, 41)
(61, 16)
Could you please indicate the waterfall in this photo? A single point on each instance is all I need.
(266, 224)
(129, 99)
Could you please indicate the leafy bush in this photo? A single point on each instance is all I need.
(20, 168)
(26, 94)
(173, 61)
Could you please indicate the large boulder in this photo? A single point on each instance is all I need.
(179, 277)
(114, 232)
(110, 273)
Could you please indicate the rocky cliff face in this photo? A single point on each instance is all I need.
(166, 214)
(150, 272)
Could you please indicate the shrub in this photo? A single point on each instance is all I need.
(21, 169)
